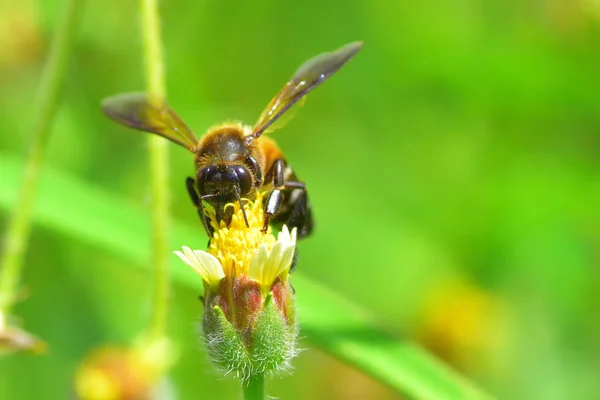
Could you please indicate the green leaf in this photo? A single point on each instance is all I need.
(84, 212)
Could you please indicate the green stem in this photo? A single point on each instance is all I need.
(18, 228)
(158, 158)
(254, 388)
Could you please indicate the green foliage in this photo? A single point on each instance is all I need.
(452, 167)
(328, 321)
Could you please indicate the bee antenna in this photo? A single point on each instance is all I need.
(239, 199)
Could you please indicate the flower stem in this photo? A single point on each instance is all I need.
(18, 228)
(158, 159)
(254, 388)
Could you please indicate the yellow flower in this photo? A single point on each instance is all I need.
(239, 250)
(249, 320)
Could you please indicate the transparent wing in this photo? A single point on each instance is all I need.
(285, 117)
(310, 75)
(139, 111)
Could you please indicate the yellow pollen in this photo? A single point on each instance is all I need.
(235, 245)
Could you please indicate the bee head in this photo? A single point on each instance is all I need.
(228, 182)
(222, 184)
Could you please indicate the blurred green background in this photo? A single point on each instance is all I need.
(452, 166)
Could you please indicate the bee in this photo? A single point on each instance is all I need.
(235, 162)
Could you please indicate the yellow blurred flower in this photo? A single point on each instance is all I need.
(461, 322)
(114, 372)
(21, 41)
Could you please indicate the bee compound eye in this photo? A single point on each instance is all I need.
(244, 178)
(208, 178)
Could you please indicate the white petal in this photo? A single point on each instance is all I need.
(184, 258)
(282, 259)
(286, 259)
(277, 253)
(211, 264)
(294, 232)
(284, 235)
(256, 270)
(266, 266)
(205, 264)
(188, 253)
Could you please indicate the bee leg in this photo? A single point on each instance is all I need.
(277, 170)
(300, 218)
(189, 183)
(294, 185)
(256, 169)
(275, 199)
(291, 197)
(300, 214)
(271, 207)
(205, 221)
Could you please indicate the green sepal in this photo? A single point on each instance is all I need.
(273, 341)
(225, 346)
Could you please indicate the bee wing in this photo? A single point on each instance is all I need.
(310, 75)
(142, 112)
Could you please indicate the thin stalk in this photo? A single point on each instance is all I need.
(18, 228)
(158, 159)
(254, 388)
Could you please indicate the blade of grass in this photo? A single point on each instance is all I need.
(158, 153)
(328, 320)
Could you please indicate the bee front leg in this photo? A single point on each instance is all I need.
(191, 188)
(271, 207)
(288, 202)
(275, 199)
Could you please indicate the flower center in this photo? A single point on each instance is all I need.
(236, 244)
